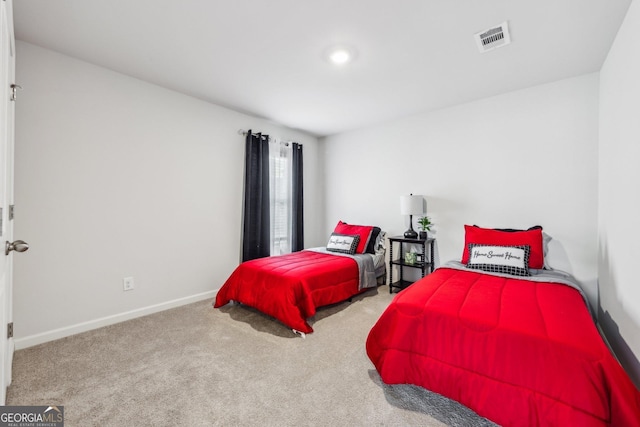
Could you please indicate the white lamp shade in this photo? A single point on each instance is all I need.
(411, 205)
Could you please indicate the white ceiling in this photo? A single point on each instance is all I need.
(265, 57)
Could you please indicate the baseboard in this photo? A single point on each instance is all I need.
(55, 334)
(606, 341)
(619, 347)
(10, 351)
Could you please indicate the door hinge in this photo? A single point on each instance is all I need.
(9, 330)
(14, 91)
(12, 209)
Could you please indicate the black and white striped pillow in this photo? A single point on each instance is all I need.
(512, 260)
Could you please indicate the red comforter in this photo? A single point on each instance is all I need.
(290, 287)
(518, 352)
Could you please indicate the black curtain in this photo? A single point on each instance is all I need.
(297, 236)
(255, 232)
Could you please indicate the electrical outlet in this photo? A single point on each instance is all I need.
(127, 284)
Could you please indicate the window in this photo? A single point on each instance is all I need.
(273, 211)
(280, 197)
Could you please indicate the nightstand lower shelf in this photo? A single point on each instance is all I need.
(400, 285)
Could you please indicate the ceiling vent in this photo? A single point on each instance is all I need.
(493, 38)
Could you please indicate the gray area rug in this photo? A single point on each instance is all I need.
(199, 366)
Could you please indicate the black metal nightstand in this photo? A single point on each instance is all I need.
(424, 259)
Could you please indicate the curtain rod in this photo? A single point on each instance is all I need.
(244, 132)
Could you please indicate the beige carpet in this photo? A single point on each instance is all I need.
(199, 366)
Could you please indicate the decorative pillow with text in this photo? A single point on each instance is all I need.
(512, 260)
(343, 243)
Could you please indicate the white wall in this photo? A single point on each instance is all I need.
(619, 202)
(116, 177)
(516, 160)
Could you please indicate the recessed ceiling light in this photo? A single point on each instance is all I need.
(340, 55)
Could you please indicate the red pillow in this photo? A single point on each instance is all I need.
(488, 236)
(364, 231)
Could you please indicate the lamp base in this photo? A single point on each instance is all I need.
(411, 234)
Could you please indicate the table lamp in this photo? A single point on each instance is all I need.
(411, 205)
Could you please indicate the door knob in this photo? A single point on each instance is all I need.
(17, 245)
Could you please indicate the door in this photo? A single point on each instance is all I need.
(7, 69)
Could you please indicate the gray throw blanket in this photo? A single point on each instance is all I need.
(366, 268)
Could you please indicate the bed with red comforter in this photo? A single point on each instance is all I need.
(520, 351)
(290, 287)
